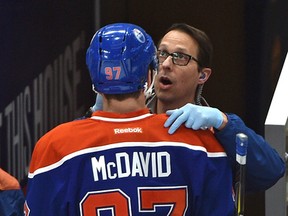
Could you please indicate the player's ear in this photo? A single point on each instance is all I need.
(204, 75)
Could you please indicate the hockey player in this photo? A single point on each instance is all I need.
(122, 161)
(185, 56)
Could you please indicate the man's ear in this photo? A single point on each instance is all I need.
(204, 75)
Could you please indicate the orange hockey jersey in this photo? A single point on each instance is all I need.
(128, 164)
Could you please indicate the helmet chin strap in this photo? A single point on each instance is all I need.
(148, 91)
(93, 89)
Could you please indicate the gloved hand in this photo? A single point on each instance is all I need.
(194, 116)
(99, 103)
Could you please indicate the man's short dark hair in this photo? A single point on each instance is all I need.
(205, 48)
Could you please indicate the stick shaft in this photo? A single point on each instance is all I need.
(241, 152)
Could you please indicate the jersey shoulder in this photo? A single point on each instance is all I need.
(205, 138)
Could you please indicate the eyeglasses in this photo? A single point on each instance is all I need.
(178, 58)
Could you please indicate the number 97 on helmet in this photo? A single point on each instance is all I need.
(119, 57)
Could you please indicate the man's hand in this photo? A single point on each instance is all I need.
(195, 117)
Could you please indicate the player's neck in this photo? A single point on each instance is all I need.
(125, 106)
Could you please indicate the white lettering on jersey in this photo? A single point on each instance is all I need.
(150, 164)
(127, 130)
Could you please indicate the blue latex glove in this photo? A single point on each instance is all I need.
(99, 103)
(194, 116)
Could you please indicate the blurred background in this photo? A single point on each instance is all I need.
(44, 80)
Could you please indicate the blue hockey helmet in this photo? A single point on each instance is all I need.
(119, 57)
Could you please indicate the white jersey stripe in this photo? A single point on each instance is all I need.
(121, 119)
(121, 145)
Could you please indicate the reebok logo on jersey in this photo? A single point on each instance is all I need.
(127, 130)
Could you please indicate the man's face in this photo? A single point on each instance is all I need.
(176, 85)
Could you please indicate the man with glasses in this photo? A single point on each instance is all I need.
(184, 55)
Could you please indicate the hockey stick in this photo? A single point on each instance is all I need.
(241, 152)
